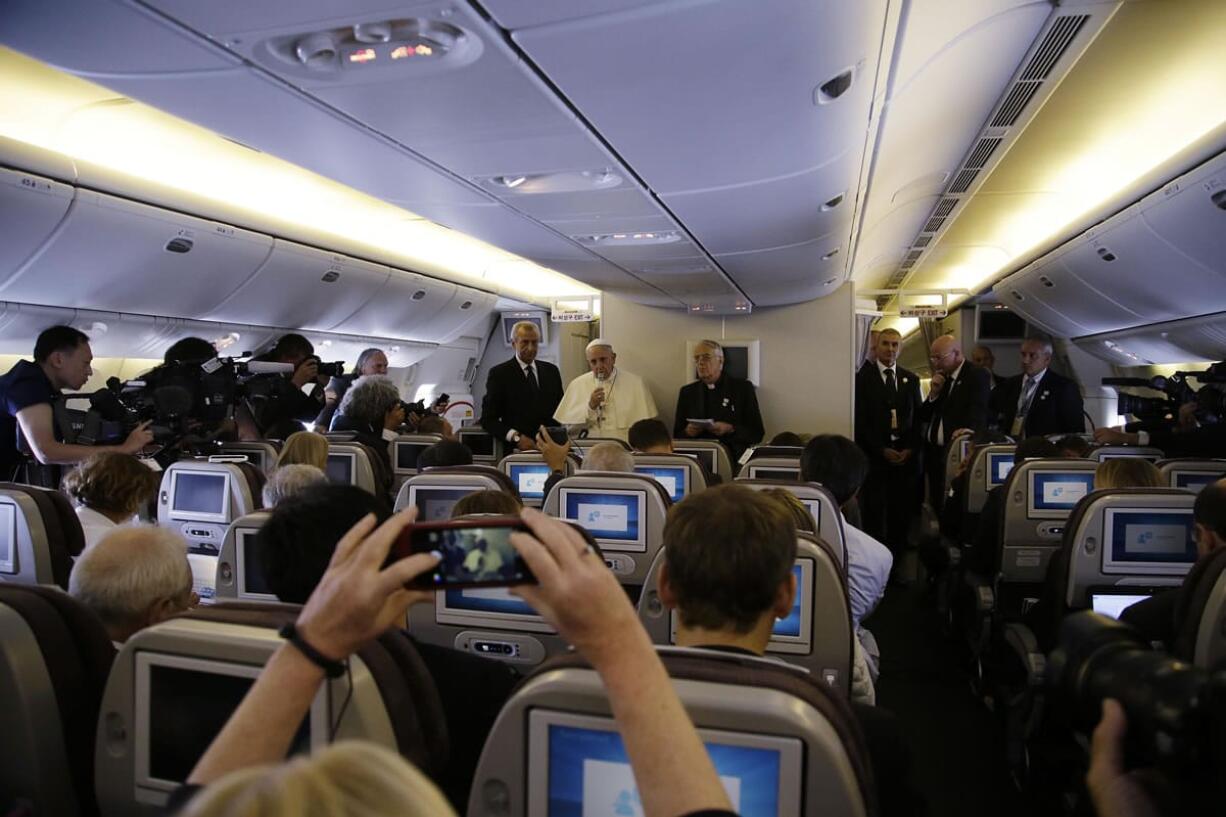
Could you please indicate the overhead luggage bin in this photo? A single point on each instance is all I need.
(33, 207)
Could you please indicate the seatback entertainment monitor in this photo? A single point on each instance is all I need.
(530, 478)
(1148, 541)
(250, 567)
(999, 465)
(434, 504)
(615, 517)
(674, 478)
(200, 495)
(340, 467)
(1054, 493)
(407, 454)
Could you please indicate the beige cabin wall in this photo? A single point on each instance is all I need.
(806, 353)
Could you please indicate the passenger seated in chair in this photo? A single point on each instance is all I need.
(652, 437)
(304, 448)
(787, 438)
(448, 452)
(134, 578)
(1154, 618)
(728, 556)
(357, 598)
(1127, 472)
(600, 457)
(291, 480)
(297, 543)
(1073, 446)
(436, 424)
(498, 503)
(109, 490)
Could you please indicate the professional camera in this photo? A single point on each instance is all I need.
(334, 369)
(1176, 712)
(1158, 412)
(421, 409)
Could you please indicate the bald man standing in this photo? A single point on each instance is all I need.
(605, 400)
(957, 398)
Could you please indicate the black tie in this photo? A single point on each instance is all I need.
(890, 385)
(532, 380)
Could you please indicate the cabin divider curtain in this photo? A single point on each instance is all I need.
(864, 325)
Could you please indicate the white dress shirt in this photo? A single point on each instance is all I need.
(93, 524)
(868, 571)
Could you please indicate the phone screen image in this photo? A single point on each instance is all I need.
(472, 554)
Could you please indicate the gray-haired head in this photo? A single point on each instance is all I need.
(608, 457)
(368, 400)
(370, 361)
(290, 480)
(133, 578)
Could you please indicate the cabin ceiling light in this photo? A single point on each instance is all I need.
(530, 184)
(63, 113)
(630, 239)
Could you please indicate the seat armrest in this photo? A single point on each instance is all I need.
(1026, 647)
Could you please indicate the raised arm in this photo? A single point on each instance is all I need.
(354, 602)
(582, 599)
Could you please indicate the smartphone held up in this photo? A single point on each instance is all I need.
(474, 552)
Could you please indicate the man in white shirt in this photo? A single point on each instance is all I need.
(606, 400)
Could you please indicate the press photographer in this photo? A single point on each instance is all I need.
(278, 403)
(370, 361)
(62, 357)
(1184, 422)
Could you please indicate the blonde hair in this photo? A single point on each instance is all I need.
(119, 483)
(347, 779)
(305, 448)
(1127, 472)
(800, 514)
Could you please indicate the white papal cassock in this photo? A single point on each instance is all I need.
(627, 401)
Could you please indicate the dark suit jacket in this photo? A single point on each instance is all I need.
(873, 405)
(510, 403)
(962, 403)
(732, 401)
(1055, 409)
(1154, 618)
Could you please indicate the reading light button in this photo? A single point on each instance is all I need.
(509, 647)
(199, 532)
(1052, 530)
(619, 563)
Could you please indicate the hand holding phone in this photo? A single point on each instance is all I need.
(473, 552)
(558, 434)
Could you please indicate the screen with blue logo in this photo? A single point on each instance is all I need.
(488, 600)
(790, 626)
(999, 466)
(435, 504)
(590, 774)
(1194, 480)
(1056, 490)
(1159, 539)
(611, 516)
(673, 478)
(530, 479)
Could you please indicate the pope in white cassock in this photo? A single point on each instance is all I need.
(606, 400)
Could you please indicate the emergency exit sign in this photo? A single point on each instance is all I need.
(922, 312)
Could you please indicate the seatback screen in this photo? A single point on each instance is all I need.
(673, 478)
(8, 538)
(1148, 541)
(1193, 481)
(340, 469)
(435, 504)
(707, 456)
(491, 600)
(407, 454)
(187, 708)
(1059, 490)
(247, 545)
(790, 626)
(1113, 604)
(786, 474)
(614, 517)
(200, 493)
(589, 771)
(481, 444)
(530, 479)
(999, 466)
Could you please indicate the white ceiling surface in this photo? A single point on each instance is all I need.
(952, 65)
(723, 131)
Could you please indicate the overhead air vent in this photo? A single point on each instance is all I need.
(983, 151)
(945, 207)
(933, 224)
(962, 182)
(377, 46)
(913, 256)
(418, 295)
(331, 276)
(1019, 96)
(834, 87)
(923, 241)
(1057, 41)
(1047, 282)
(466, 305)
(1219, 199)
(830, 254)
(179, 245)
(1105, 254)
(833, 203)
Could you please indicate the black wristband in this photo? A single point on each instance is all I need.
(332, 669)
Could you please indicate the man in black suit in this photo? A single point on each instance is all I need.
(1038, 402)
(731, 404)
(957, 398)
(522, 394)
(888, 431)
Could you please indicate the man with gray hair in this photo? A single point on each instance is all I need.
(718, 406)
(522, 394)
(1038, 402)
(290, 480)
(134, 578)
(607, 400)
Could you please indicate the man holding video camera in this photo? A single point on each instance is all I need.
(1195, 427)
(278, 403)
(27, 393)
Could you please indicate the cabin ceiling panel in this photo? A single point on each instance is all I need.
(788, 274)
(32, 208)
(518, 14)
(623, 202)
(245, 15)
(785, 211)
(954, 65)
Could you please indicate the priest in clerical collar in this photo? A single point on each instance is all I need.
(718, 406)
(605, 400)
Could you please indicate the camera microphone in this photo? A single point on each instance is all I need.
(268, 367)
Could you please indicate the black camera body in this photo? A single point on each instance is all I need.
(1175, 711)
(1160, 412)
(334, 369)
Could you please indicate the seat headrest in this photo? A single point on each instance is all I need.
(1194, 595)
(64, 534)
(504, 481)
